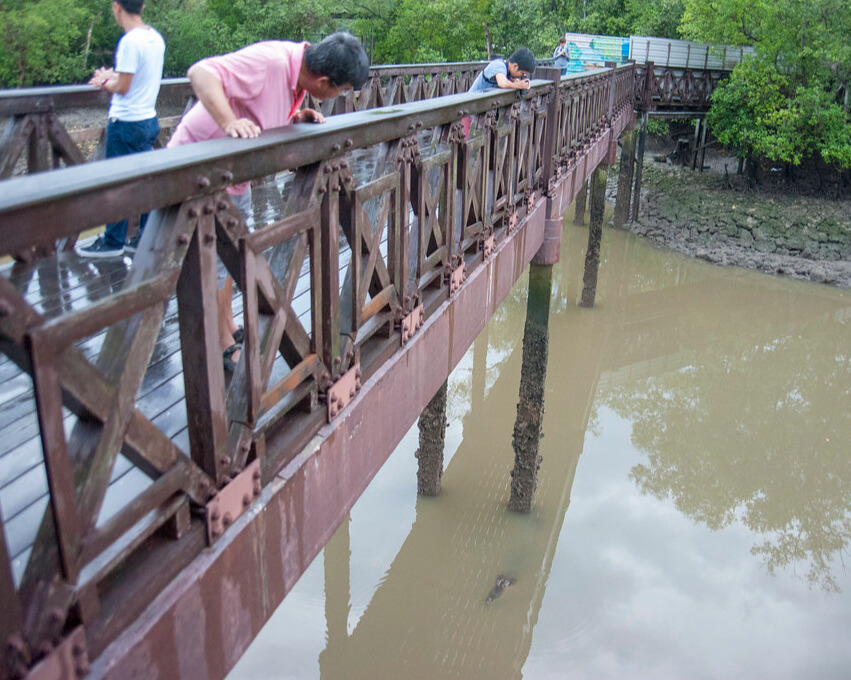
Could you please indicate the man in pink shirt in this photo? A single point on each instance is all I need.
(257, 88)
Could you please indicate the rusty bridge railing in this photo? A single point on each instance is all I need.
(381, 213)
(36, 139)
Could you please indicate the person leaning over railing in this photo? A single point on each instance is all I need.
(512, 74)
(132, 126)
(256, 88)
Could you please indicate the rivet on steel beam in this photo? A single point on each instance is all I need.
(227, 520)
(320, 190)
(357, 385)
(227, 479)
(246, 500)
(349, 143)
(326, 169)
(335, 147)
(335, 187)
(208, 209)
(232, 222)
(203, 181)
(45, 648)
(225, 460)
(358, 373)
(192, 212)
(350, 355)
(215, 533)
(209, 238)
(227, 176)
(256, 474)
(257, 489)
(182, 239)
(56, 615)
(83, 669)
(214, 515)
(337, 361)
(222, 205)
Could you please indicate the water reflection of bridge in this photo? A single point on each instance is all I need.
(431, 611)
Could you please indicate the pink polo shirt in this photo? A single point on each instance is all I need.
(260, 83)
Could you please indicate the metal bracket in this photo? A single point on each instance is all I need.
(68, 661)
(488, 246)
(233, 500)
(456, 277)
(513, 221)
(412, 322)
(342, 392)
(530, 201)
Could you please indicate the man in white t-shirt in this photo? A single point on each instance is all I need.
(133, 125)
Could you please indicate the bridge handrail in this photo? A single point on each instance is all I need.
(444, 200)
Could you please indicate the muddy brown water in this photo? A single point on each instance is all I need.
(692, 511)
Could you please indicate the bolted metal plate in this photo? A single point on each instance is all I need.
(457, 277)
(233, 500)
(513, 220)
(412, 322)
(69, 661)
(488, 246)
(341, 393)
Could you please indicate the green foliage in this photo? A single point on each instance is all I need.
(787, 104)
(44, 41)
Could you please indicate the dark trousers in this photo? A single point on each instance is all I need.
(122, 139)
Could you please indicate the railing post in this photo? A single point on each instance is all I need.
(551, 247)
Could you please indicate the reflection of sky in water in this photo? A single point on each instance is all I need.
(646, 592)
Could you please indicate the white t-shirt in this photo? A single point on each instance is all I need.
(140, 52)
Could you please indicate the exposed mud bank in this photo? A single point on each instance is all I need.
(713, 217)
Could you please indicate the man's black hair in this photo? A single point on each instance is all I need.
(339, 57)
(524, 59)
(131, 6)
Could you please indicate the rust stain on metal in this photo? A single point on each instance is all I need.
(342, 392)
(233, 500)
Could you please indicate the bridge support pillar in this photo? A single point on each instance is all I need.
(595, 235)
(550, 250)
(639, 165)
(625, 174)
(579, 206)
(432, 426)
(533, 373)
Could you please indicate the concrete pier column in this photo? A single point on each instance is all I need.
(702, 146)
(550, 250)
(579, 208)
(432, 425)
(533, 373)
(639, 165)
(595, 235)
(627, 166)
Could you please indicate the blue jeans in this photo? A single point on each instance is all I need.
(122, 139)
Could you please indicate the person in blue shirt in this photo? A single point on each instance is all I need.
(511, 74)
(561, 56)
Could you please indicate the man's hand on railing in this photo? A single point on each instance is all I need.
(242, 127)
(308, 116)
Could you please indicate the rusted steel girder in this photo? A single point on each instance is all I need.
(201, 624)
